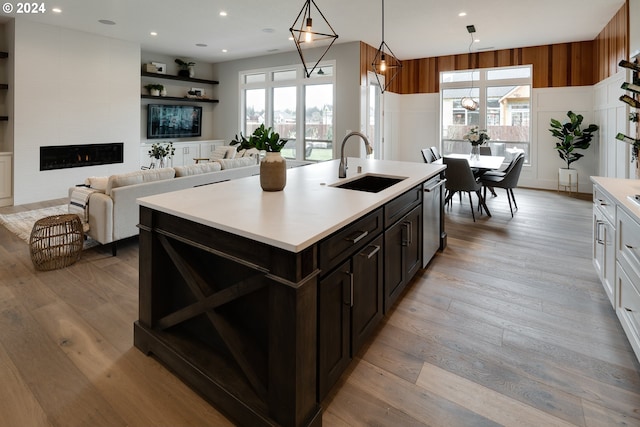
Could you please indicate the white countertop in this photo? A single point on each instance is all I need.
(307, 210)
(620, 189)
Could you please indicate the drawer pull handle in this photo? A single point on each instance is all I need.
(628, 309)
(375, 249)
(356, 237)
(629, 247)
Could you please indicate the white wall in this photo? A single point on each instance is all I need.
(612, 116)
(72, 88)
(346, 105)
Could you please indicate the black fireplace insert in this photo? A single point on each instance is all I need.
(75, 156)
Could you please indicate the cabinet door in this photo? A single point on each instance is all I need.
(367, 292)
(403, 252)
(334, 309)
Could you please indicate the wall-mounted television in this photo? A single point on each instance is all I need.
(173, 121)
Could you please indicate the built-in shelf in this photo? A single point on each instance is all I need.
(176, 98)
(184, 79)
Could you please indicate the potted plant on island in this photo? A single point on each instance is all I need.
(273, 167)
(186, 68)
(160, 152)
(154, 89)
(571, 137)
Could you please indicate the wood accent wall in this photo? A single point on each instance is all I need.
(612, 44)
(565, 64)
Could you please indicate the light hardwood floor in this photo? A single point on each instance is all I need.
(509, 326)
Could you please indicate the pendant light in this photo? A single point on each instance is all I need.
(307, 33)
(468, 103)
(385, 61)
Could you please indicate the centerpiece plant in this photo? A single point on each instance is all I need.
(273, 167)
(476, 137)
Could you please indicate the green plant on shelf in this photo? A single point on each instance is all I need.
(160, 151)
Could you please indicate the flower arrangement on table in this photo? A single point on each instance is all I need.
(160, 151)
(477, 136)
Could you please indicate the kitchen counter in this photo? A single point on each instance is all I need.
(307, 210)
(620, 189)
(259, 300)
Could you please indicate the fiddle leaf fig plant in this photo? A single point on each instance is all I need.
(263, 138)
(571, 137)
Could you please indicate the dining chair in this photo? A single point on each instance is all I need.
(427, 155)
(461, 179)
(485, 150)
(508, 181)
(436, 153)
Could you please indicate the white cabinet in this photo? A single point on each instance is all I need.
(628, 277)
(603, 243)
(185, 152)
(6, 179)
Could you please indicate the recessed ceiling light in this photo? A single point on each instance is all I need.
(153, 33)
(106, 22)
(56, 10)
(224, 51)
(201, 45)
(462, 14)
(223, 13)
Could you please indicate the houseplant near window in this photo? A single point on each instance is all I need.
(273, 167)
(570, 137)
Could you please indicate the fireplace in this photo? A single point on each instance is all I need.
(75, 156)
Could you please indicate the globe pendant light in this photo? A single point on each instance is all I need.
(468, 103)
(385, 61)
(308, 33)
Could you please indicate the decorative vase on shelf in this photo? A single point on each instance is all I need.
(475, 152)
(162, 161)
(163, 92)
(273, 172)
(192, 72)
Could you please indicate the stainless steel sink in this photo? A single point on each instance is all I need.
(370, 183)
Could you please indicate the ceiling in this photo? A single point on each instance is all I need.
(413, 28)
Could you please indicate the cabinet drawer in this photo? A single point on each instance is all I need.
(605, 204)
(628, 242)
(628, 306)
(398, 207)
(342, 244)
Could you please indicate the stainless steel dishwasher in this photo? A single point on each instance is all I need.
(433, 237)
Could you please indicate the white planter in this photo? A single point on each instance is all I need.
(568, 178)
(154, 92)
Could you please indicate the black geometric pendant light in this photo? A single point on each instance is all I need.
(308, 33)
(385, 61)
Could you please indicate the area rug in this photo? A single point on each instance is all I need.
(21, 223)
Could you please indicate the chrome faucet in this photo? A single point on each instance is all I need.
(342, 170)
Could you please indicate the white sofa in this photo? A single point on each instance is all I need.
(113, 213)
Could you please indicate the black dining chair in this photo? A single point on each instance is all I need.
(460, 179)
(508, 181)
(485, 150)
(427, 155)
(436, 152)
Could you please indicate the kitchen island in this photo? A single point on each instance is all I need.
(258, 300)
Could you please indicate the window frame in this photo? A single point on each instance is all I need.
(300, 82)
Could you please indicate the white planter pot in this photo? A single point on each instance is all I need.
(568, 178)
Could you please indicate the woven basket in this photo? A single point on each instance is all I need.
(56, 241)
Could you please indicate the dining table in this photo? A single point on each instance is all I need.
(483, 163)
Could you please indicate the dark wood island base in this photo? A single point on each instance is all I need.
(243, 334)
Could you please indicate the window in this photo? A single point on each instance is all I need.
(504, 99)
(294, 106)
